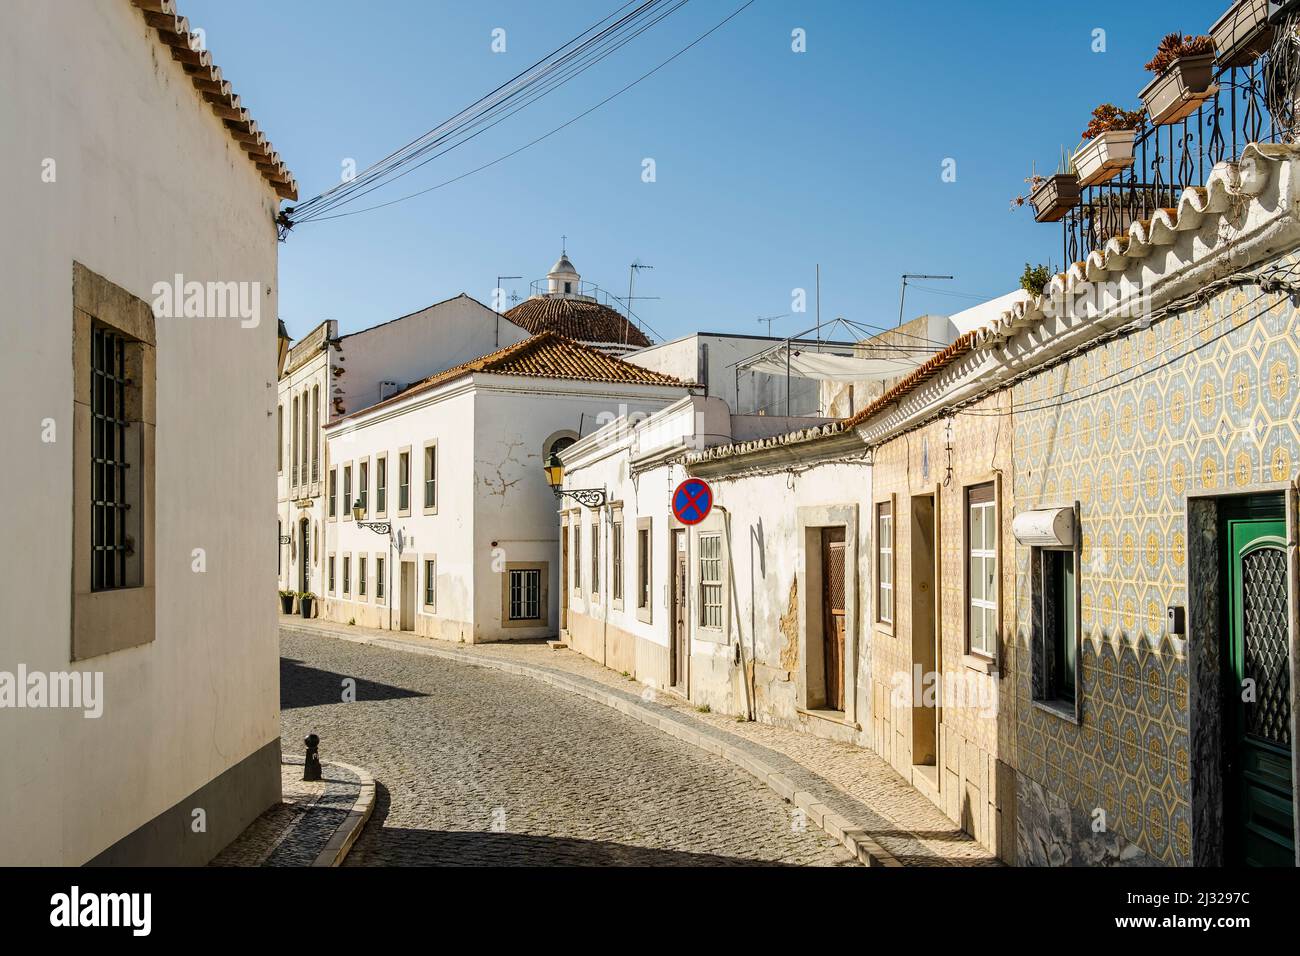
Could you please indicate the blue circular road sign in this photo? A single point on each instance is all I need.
(692, 501)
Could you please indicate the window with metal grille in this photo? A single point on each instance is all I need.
(595, 556)
(347, 491)
(347, 574)
(525, 595)
(982, 566)
(885, 562)
(616, 560)
(331, 566)
(431, 476)
(381, 485)
(361, 577)
(363, 487)
(404, 481)
(333, 491)
(379, 579)
(430, 584)
(711, 580)
(577, 554)
(112, 486)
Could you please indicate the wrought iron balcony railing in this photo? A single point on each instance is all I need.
(1169, 159)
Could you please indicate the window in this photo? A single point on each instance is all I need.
(331, 573)
(347, 492)
(577, 552)
(315, 433)
(404, 481)
(430, 583)
(525, 594)
(982, 569)
(885, 562)
(333, 491)
(279, 439)
(710, 580)
(379, 578)
(347, 574)
(113, 397)
(114, 443)
(363, 487)
(595, 556)
(616, 559)
(361, 577)
(1058, 626)
(381, 485)
(303, 445)
(430, 477)
(643, 566)
(293, 442)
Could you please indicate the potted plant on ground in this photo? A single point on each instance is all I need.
(305, 601)
(1108, 143)
(1184, 69)
(286, 601)
(1052, 196)
(1243, 34)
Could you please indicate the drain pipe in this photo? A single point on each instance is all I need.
(746, 677)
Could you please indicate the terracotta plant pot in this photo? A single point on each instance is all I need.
(1054, 197)
(1178, 92)
(1243, 34)
(1102, 157)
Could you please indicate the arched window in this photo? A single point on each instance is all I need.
(559, 444)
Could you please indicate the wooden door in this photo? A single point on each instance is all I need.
(833, 615)
(1257, 706)
(680, 645)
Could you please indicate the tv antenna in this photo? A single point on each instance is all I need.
(769, 319)
(902, 292)
(632, 270)
(496, 303)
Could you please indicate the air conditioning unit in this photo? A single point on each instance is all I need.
(1048, 528)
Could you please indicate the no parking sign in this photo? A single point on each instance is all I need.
(692, 501)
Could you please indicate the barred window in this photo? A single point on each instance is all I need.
(363, 487)
(595, 556)
(347, 491)
(347, 574)
(333, 491)
(331, 568)
(361, 577)
(711, 580)
(525, 595)
(616, 560)
(114, 490)
(577, 554)
(430, 584)
(379, 579)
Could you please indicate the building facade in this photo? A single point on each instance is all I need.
(149, 725)
(458, 537)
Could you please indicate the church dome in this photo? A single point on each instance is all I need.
(567, 309)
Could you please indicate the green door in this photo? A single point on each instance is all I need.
(1257, 712)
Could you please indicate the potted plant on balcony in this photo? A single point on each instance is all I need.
(1243, 34)
(286, 601)
(1184, 69)
(1108, 143)
(1034, 280)
(305, 601)
(1052, 196)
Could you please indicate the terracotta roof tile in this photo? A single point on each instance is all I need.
(547, 355)
(578, 319)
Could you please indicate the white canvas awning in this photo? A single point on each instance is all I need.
(827, 367)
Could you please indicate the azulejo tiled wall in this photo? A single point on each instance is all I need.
(1203, 400)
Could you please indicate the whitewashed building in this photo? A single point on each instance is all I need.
(139, 665)
(327, 375)
(459, 539)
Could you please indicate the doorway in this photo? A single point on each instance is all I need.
(678, 644)
(407, 622)
(304, 576)
(1258, 790)
(925, 711)
(833, 593)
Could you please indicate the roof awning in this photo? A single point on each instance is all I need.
(827, 367)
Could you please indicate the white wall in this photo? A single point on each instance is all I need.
(149, 184)
(416, 346)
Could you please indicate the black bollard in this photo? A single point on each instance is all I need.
(311, 766)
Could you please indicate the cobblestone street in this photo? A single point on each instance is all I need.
(476, 766)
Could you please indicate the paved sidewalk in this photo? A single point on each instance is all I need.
(849, 792)
(315, 824)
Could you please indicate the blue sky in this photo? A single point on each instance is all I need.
(767, 161)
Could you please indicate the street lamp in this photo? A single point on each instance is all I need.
(591, 497)
(384, 528)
